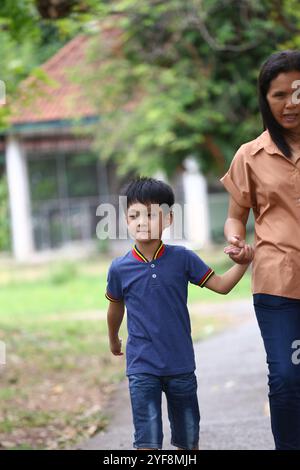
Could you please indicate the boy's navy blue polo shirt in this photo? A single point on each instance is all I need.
(155, 294)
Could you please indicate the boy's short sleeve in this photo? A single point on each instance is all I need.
(198, 271)
(114, 288)
(237, 180)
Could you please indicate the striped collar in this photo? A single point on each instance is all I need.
(140, 257)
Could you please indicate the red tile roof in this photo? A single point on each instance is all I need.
(61, 97)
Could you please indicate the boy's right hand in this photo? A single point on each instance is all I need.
(116, 346)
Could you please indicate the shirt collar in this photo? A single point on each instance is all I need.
(264, 141)
(140, 257)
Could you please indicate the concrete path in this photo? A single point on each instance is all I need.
(232, 380)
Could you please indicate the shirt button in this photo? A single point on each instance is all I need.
(152, 265)
(154, 275)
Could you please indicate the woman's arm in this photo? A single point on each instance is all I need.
(235, 231)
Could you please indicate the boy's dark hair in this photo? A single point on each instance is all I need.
(148, 191)
(279, 62)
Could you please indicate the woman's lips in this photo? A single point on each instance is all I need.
(290, 117)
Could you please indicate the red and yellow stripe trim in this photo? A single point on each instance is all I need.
(140, 257)
(112, 299)
(160, 250)
(206, 276)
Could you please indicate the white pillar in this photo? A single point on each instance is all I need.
(19, 198)
(196, 210)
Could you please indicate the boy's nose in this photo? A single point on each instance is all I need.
(143, 224)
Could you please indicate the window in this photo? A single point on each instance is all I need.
(65, 192)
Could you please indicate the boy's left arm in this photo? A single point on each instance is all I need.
(224, 283)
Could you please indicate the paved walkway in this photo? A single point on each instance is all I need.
(232, 380)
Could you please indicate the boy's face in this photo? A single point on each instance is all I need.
(147, 222)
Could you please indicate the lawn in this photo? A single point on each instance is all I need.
(66, 289)
(59, 374)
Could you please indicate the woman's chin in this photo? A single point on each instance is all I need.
(291, 126)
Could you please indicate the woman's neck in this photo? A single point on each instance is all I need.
(293, 137)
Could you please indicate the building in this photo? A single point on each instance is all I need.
(55, 178)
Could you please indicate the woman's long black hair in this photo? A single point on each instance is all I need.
(279, 62)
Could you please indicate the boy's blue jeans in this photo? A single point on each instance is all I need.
(279, 321)
(183, 410)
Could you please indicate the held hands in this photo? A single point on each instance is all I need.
(239, 251)
(116, 346)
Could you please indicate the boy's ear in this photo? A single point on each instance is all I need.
(169, 219)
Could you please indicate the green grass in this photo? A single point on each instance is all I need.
(31, 300)
(52, 319)
(37, 298)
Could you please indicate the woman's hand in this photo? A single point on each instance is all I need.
(239, 251)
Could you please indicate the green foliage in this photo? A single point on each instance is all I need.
(27, 40)
(180, 79)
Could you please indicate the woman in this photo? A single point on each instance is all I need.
(265, 175)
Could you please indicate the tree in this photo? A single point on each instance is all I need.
(28, 40)
(179, 79)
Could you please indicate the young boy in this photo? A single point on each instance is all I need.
(151, 280)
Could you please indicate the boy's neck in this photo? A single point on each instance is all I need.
(148, 248)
